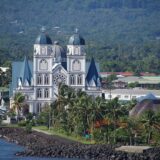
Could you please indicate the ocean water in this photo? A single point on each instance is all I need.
(8, 150)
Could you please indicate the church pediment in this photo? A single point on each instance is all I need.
(58, 68)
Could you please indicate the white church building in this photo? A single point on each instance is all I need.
(52, 64)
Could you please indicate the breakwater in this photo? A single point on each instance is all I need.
(42, 145)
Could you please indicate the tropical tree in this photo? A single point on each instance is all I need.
(150, 121)
(18, 103)
(80, 112)
(114, 113)
(60, 107)
(132, 127)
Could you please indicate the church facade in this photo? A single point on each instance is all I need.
(52, 64)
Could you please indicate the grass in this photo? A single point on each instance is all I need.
(63, 135)
(9, 125)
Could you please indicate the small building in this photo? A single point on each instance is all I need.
(125, 74)
(4, 92)
(151, 82)
(145, 103)
(128, 94)
(4, 69)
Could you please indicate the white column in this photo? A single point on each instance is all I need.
(31, 108)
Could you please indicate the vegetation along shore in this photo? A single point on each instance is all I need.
(42, 145)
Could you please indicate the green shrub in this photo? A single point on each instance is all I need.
(29, 127)
(33, 122)
(22, 123)
(29, 116)
(98, 135)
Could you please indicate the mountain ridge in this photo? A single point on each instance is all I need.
(114, 30)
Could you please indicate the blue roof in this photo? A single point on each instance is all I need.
(23, 70)
(93, 73)
(25, 73)
(149, 96)
(43, 39)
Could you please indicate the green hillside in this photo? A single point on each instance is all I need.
(123, 35)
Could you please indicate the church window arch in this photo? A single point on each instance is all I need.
(76, 50)
(72, 79)
(76, 65)
(79, 79)
(39, 79)
(46, 79)
(46, 93)
(39, 107)
(43, 65)
(39, 93)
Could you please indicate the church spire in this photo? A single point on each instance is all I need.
(25, 73)
(92, 75)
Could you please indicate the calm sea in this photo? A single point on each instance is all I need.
(7, 151)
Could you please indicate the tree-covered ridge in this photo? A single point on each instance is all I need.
(121, 34)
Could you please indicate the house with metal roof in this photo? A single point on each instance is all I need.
(130, 94)
(52, 64)
(142, 82)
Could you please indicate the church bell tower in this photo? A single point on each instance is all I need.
(76, 61)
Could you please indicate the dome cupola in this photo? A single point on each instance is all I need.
(43, 38)
(76, 39)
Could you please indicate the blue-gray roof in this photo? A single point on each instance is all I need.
(25, 73)
(149, 96)
(43, 39)
(93, 73)
(23, 70)
(76, 39)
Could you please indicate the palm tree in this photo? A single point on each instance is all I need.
(19, 99)
(150, 120)
(79, 111)
(115, 111)
(61, 106)
(131, 127)
(97, 111)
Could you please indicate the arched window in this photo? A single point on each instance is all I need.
(39, 107)
(26, 97)
(72, 79)
(43, 65)
(79, 79)
(76, 50)
(46, 93)
(39, 93)
(39, 79)
(76, 65)
(46, 79)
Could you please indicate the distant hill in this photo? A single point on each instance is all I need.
(123, 35)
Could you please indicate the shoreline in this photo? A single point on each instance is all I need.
(43, 145)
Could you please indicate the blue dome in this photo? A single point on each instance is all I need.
(43, 39)
(76, 39)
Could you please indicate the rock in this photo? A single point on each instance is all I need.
(42, 145)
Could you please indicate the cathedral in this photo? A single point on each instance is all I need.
(52, 64)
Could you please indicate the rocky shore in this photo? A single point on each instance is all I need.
(42, 145)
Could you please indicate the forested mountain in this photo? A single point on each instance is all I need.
(122, 35)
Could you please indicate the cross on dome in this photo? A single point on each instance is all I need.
(43, 29)
(76, 30)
